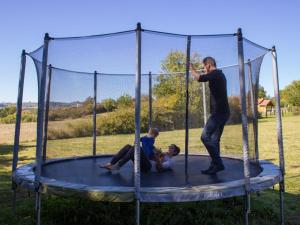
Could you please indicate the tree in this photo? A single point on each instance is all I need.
(262, 93)
(170, 84)
(172, 79)
(88, 105)
(291, 93)
(283, 102)
(109, 104)
(124, 101)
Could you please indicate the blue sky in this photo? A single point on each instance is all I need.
(23, 24)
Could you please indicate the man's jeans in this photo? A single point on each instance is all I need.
(211, 136)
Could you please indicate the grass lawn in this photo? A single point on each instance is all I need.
(57, 210)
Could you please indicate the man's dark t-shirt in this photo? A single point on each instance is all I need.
(218, 91)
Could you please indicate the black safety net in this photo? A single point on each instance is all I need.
(90, 94)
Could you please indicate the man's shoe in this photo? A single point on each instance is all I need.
(213, 169)
(208, 169)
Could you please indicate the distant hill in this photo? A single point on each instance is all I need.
(34, 105)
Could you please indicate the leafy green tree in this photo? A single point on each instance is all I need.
(291, 93)
(262, 93)
(124, 101)
(88, 105)
(170, 84)
(172, 79)
(283, 102)
(109, 104)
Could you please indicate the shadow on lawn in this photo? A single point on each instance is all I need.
(8, 149)
(6, 152)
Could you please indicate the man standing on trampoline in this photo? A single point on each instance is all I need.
(219, 111)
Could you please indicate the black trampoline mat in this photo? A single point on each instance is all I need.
(86, 171)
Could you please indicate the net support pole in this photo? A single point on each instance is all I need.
(95, 115)
(244, 124)
(204, 103)
(150, 99)
(187, 73)
(18, 124)
(254, 111)
(47, 113)
(137, 169)
(40, 123)
(279, 132)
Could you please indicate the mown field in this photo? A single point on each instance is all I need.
(58, 211)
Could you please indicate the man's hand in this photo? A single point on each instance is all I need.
(194, 73)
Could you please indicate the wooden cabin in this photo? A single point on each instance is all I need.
(265, 106)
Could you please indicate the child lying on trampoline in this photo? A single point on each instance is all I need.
(150, 157)
(161, 160)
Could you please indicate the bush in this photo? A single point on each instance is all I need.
(296, 111)
(74, 112)
(120, 121)
(8, 119)
(29, 116)
(125, 101)
(109, 104)
(9, 110)
(82, 128)
(54, 134)
(163, 120)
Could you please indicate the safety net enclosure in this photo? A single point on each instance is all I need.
(98, 93)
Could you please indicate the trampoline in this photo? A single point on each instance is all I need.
(97, 93)
(82, 176)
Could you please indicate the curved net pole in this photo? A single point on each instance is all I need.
(95, 115)
(40, 123)
(244, 124)
(279, 131)
(18, 125)
(187, 73)
(47, 113)
(150, 100)
(137, 169)
(254, 111)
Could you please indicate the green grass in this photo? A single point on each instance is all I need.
(58, 210)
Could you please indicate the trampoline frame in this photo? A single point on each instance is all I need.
(269, 176)
(248, 186)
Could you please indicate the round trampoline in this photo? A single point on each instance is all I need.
(98, 93)
(82, 176)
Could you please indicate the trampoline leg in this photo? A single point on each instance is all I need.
(14, 200)
(137, 213)
(281, 205)
(246, 209)
(38, 208)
